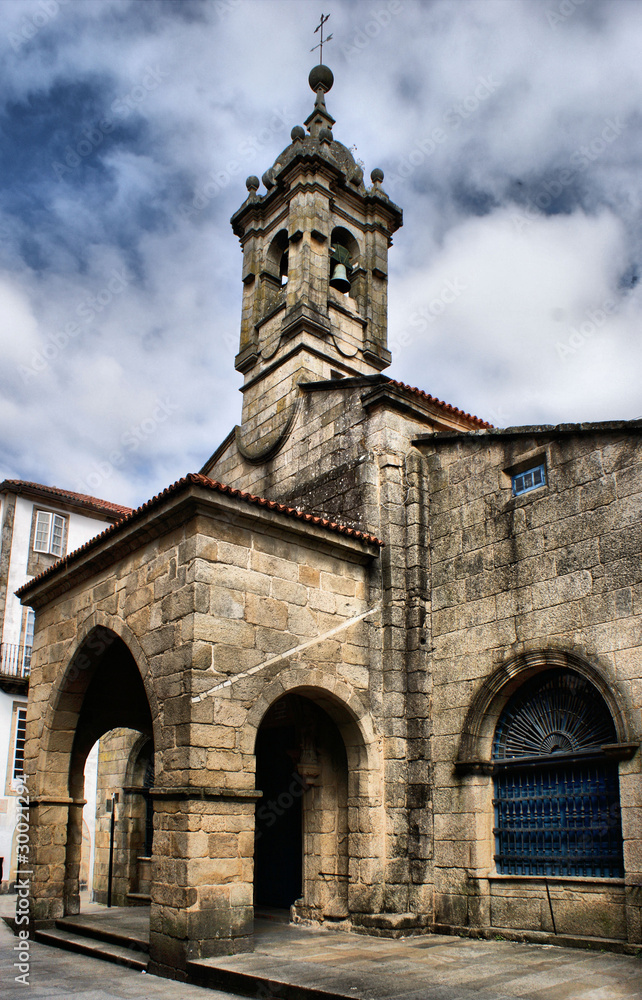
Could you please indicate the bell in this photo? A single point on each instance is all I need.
(339, 279)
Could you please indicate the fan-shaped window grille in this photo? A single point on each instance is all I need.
(557, 802)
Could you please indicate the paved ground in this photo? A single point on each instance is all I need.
(425, 968)
(58, 975)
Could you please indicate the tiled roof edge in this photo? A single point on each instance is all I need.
(198, 479)
(476, 421)
(84, 499)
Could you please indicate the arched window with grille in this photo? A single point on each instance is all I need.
(557, 802)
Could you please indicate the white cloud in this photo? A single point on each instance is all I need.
(206, 93)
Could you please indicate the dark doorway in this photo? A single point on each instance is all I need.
(278, 852)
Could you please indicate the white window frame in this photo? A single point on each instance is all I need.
(49, 528)
(19, 743)
(30, 625)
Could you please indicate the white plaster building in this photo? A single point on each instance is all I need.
(39, 525)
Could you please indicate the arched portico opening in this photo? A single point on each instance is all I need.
(101, 690)
(309, 766)
(125, 770)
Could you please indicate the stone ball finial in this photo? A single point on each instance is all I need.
(325, 135)
(376, 176)
(252, 183)
(321, 76)
(357, 175)
(268, 179)
(298, 132)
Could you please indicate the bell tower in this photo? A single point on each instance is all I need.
(315, 250)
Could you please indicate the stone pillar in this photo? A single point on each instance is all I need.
(202, 875)
(49, 823)
(631, 800)
(74, 856)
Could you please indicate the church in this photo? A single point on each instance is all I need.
(382, 659)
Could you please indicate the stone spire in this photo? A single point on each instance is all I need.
(320, 79)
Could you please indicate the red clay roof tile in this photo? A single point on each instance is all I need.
(82, 499)
(198, 479)
(476, 421)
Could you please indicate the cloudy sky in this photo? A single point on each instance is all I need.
(508, 131)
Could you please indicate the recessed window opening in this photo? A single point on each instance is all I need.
(557, 798)
(19, 743)
(529, 480)
(277, 259)
(50, 532)
(30, 625)
(344, 251)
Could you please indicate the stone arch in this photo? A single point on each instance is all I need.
(495, 691)
(341, 703)
(276, 258)
(345, 238)
(65, 702)
(345, 791)
(135, 771)
(106, 684)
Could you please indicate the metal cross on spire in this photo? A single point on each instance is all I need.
(324, 18)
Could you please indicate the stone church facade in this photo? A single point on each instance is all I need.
(387, 655)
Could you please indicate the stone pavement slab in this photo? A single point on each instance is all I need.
(317, 963)
(335, 964)
(61, 975)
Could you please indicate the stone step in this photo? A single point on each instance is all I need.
(95, 949)
(88, 928)
(255, 975)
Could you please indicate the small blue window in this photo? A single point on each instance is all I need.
(529, 480)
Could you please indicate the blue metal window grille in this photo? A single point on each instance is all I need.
(529, 480)
(557, 801)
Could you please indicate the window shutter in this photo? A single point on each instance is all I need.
(57, 534)
(43, 522)
(19, 745)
